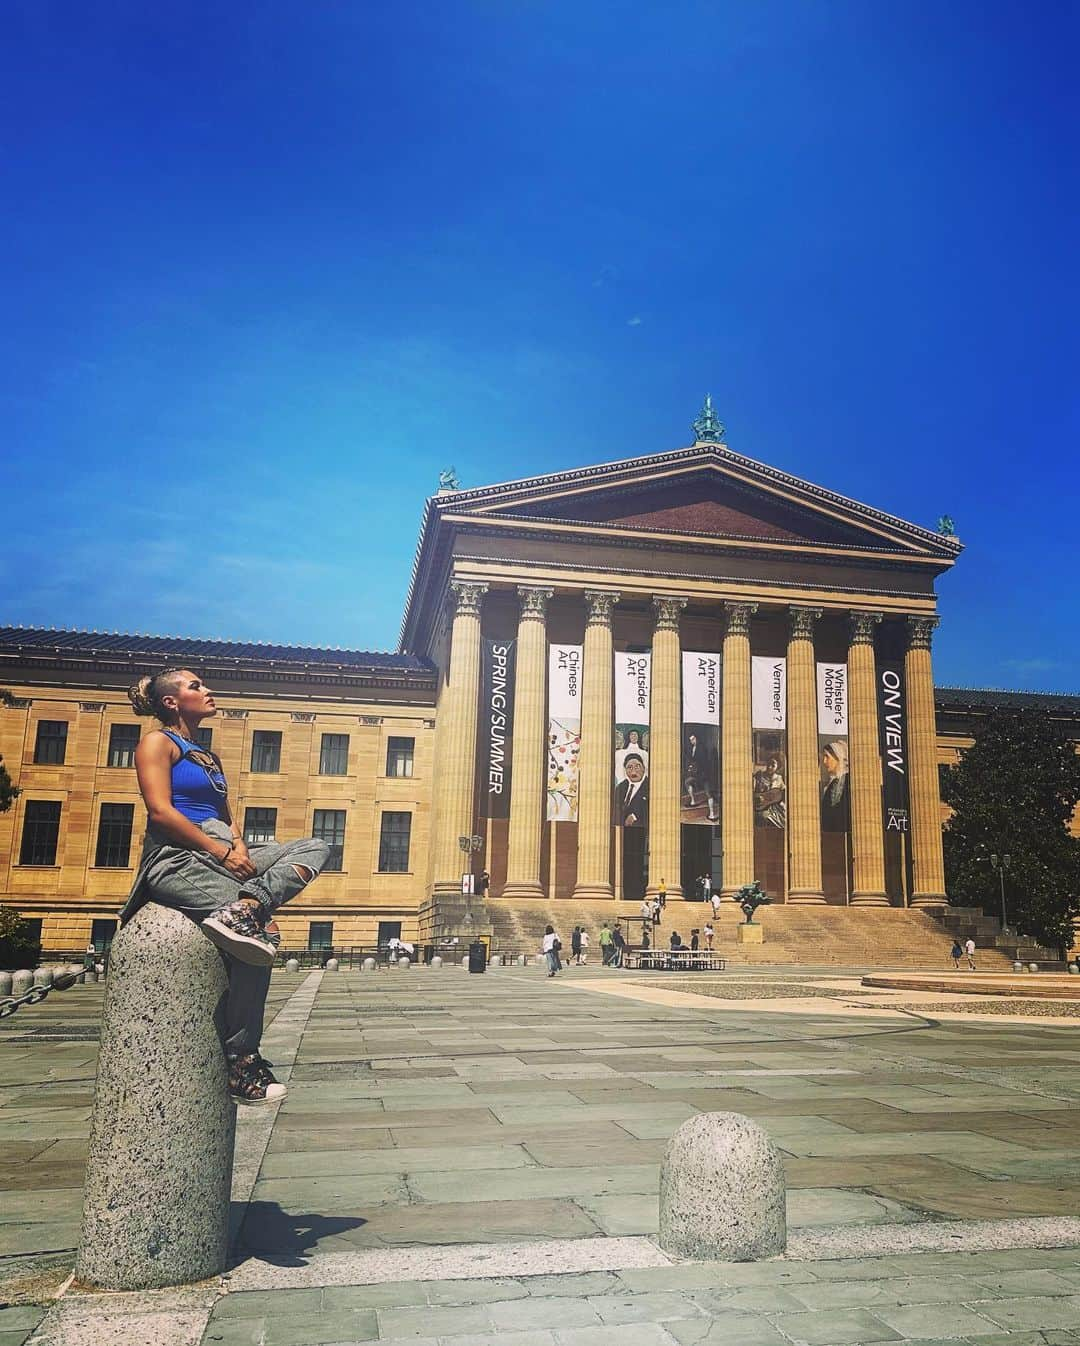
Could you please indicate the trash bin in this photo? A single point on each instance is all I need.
(429, 953)
(477, 957)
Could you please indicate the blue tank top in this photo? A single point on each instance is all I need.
(198, 782)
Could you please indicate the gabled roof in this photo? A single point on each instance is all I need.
(705, 491)
(41, 640)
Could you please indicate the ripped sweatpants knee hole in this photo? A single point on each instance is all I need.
(304, 873)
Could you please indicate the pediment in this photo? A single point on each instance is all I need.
(704, 491)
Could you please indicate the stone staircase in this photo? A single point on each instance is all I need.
(887, 937)
(973, 923)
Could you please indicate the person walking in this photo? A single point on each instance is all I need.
(605, 944)
(956, 953)
(714, 898)
(618, 946)
(584, 947)
(706, 887)
(656, 911)
(575, 944)
(969, 949)
(695, 941)
(708, 933)
(552, 945)
(195, 861)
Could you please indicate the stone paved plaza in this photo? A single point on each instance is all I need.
(469, 1159)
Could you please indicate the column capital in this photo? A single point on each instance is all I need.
(601, 604)
(668, 611)
(738, 621)
(802, 622)
(920, 630)
(862, 627)
(468, 596)
(534, 601)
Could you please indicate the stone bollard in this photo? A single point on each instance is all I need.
(90, 975)
(1033, 967)
(5, 984)
(292, 965)
(404, 962)
(21, 981)
(435, 962)
(1018, 967)
(495, 960)
(1072, 968)
(43, 976)
(722, 1191)
(156, 1202)
(369, 965)
(332, 965)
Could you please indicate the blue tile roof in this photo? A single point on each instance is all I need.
(46, 640)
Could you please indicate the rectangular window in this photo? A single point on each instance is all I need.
(266, 751)
(259, 825)
(204, 737)
(388, 930)
(101, 934)
(334, 755)
(320, 935)
(399, 756)
(114, 836)
(123, 740)
(51, 746)
(329, 826)
(41, 831)
(394, 843)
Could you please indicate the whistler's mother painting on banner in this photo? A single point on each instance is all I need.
(564, 732)
(700, 803)
(633, 692)
(833, 753)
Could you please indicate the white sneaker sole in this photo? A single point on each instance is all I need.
(244, 947)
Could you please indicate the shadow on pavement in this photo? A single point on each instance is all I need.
(280, 1237)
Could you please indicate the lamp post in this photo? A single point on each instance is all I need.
(1001, 863)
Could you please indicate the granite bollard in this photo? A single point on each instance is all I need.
(436, 962)
(292, 965)
(332, 965)
(156, 1202)
(368, 965)
(404, 962)
(21, 981)
(43, 976)
(5, 984)
(495, 960)
(722, 1191)
(1033, 967)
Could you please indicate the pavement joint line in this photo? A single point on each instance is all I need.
(838, 1242)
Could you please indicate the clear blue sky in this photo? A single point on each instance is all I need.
(268, 267)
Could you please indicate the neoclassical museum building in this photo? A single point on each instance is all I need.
(610, 682)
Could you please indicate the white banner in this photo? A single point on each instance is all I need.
(564, 682)
(632, 688)
(832, 700)
(768, 687)
(700, 688)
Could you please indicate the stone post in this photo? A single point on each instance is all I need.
(156, 1200)
(737, 752)
(867, 825)
(925, 795)
(596, 769)
(454, 784)
(665, 754)
(530, 735)
(804, 788)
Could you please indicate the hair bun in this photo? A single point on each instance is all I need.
(139, 696)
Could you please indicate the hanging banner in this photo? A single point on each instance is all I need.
(892, 721)
(833, 749)
(564, 732)
(496, 728)
(633, 693)
(700, 802)
(768, 720)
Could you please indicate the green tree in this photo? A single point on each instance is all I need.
(18, 947)
(8, 792)
(1014, 793)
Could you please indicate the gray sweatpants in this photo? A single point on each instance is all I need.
(197, 885)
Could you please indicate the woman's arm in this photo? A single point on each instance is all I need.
(153, 765)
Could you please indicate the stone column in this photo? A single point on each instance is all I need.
(530, 734)
(597, 760)
(867, 824)
(804, 787)
(925, 800)
(737, 786)
(454, 784)
(665, 752)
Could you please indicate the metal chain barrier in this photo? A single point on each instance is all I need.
(37, 994)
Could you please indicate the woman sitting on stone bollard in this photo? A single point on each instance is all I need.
(196, 862)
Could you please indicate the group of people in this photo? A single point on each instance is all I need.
(613, 943)
(965, 950)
